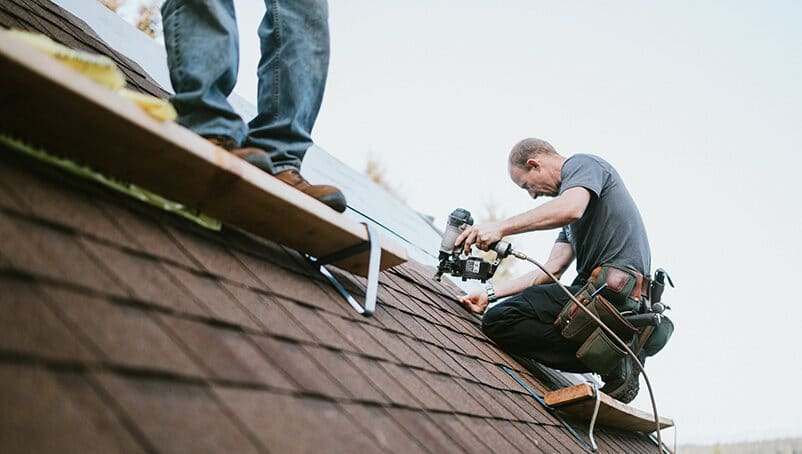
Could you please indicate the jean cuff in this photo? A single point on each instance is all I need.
(283, 167)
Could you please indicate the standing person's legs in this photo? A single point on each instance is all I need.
(203, 56)
(294, 38)
(524, 325)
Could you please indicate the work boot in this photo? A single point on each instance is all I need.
(623, 382)
(255, 156)
(329, 195)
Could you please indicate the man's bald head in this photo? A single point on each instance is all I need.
(529, 149)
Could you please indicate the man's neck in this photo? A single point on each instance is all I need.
(559, 161)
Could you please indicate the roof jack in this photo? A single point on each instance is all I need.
(373, 245)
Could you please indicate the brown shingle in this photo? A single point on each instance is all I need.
(447, 359)
(315, 322)
(147, 279)
(226, 354)
(456, 429)
(125, 335)
(488, 400)
(210, 293)
(420, 350)
(8, 180)
(448, 389)
(46, 199)
(441, 335)
(296, 424)
(510, 432)
(394, 343)
(290, 285)
(177, 417)
(563, 441)
(410, 324)
(56, 412)
(341, 367)
(424, 428)
(535, 434)
(356, 335)
(528, 404)
(380, 379)
(272, 313)
(146, 233)
(474, 369)
(418, 388)
(383, 429)
(29, 327)
(213, 258)
(299, 365)
(382, 318)
(507, 382)
(46, 251)
(464, 344)
(388, 298)
(488, 434)
(435, 363)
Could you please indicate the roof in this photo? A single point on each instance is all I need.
(150, 332)
(126, 328)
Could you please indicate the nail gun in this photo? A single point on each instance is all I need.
(452, 259)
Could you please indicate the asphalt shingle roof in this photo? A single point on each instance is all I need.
(124, 328)
(158, 334)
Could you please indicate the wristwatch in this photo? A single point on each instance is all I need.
(491, 292)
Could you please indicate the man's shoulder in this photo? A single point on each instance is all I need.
(582, 162)
(587, 158)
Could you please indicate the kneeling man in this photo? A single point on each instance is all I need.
(600, 224)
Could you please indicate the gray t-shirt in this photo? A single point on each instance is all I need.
(611, 229)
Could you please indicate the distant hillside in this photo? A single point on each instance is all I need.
(784, 446)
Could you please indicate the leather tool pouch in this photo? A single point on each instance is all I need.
(595, 349)
(623, 285)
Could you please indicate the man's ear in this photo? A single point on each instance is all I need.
(533, 163)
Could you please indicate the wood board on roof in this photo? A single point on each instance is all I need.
(578, 401)
(55, 108)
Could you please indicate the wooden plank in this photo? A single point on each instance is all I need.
(578, 401)
(53, 107)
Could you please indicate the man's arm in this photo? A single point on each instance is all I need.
(561, 256)
(563, 210)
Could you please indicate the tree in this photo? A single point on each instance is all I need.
(378, 174)
(113, 5)
(143, 14)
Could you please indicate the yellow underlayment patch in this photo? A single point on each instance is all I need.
(99, 68)
(126, 188)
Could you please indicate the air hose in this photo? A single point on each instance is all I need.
(609, 332)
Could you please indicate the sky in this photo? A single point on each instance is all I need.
(697, 104)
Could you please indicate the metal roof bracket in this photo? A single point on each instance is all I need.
(374, 246)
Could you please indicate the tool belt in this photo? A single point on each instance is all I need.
(624, 288)
(610, 292)
(595, 349)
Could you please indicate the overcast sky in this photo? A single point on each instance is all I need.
(697, 104)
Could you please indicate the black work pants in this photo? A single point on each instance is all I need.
(524, 325)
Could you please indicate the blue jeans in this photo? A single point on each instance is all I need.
(203, 55)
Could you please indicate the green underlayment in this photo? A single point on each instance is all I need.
(126, 188)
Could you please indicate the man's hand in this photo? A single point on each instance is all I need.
(483, 235)
(475, 302)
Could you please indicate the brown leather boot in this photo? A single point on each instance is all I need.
(329, 195)
(255, 156)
